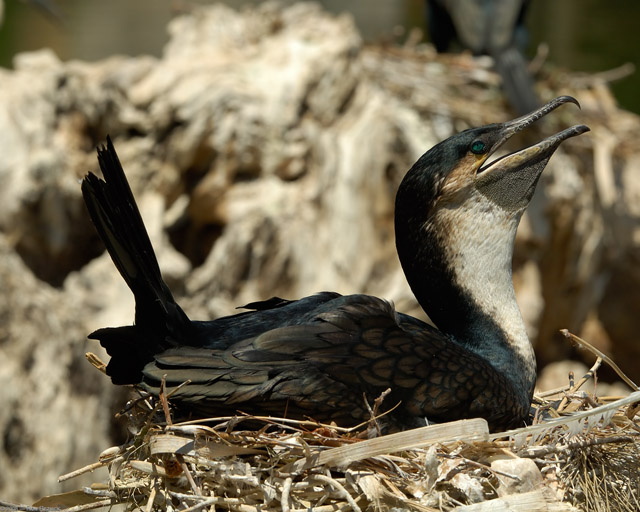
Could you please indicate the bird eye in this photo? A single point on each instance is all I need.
(478, 147)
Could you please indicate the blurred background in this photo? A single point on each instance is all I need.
(265, 147)
(583, 35)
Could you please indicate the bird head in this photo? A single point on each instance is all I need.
(457, 212)
(460, 168)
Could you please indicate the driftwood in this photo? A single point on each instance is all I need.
(265, 148)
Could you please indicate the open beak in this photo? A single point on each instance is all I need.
(540, 151)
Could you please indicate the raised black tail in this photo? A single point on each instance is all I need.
(159, 321)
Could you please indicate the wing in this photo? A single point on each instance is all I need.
(327, 368)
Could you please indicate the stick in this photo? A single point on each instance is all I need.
(590, 374)
(167, 414)
(83, 470)
(604, 357)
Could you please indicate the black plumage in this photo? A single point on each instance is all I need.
(488, 27)
(324, 355)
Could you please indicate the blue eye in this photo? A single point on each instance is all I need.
(478, 147)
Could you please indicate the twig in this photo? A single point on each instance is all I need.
(89, 506)
(575, 387)
(188, 474)
(152, 497)
(229, 503)
(484, 466)
(542, 52)
(25, 508)
(167, 414)
(269, 419)
(103, 493)
(373, 423)
(133, 403)
(6, 506)
(163, 400)
(284, 499)
(632, 410)
(604, 357)
(178, 388)
(551, 392)
(340, 488)
(541, 451)
(96, 362)
(183, 496)
(378, 401)
(610, 75)
(274, 420)
(86, 469)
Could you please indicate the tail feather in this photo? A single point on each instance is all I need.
(115, 214)
(159, 321)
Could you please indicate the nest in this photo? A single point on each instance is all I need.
(581, 453)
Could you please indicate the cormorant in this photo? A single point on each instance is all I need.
(319, 356)
(488, 27)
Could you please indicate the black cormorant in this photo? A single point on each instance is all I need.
(456, 219)
(488, 27)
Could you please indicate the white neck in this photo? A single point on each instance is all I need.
(478, 242)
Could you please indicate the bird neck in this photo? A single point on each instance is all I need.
(458, 263)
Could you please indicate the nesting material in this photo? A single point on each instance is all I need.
(582, 452)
